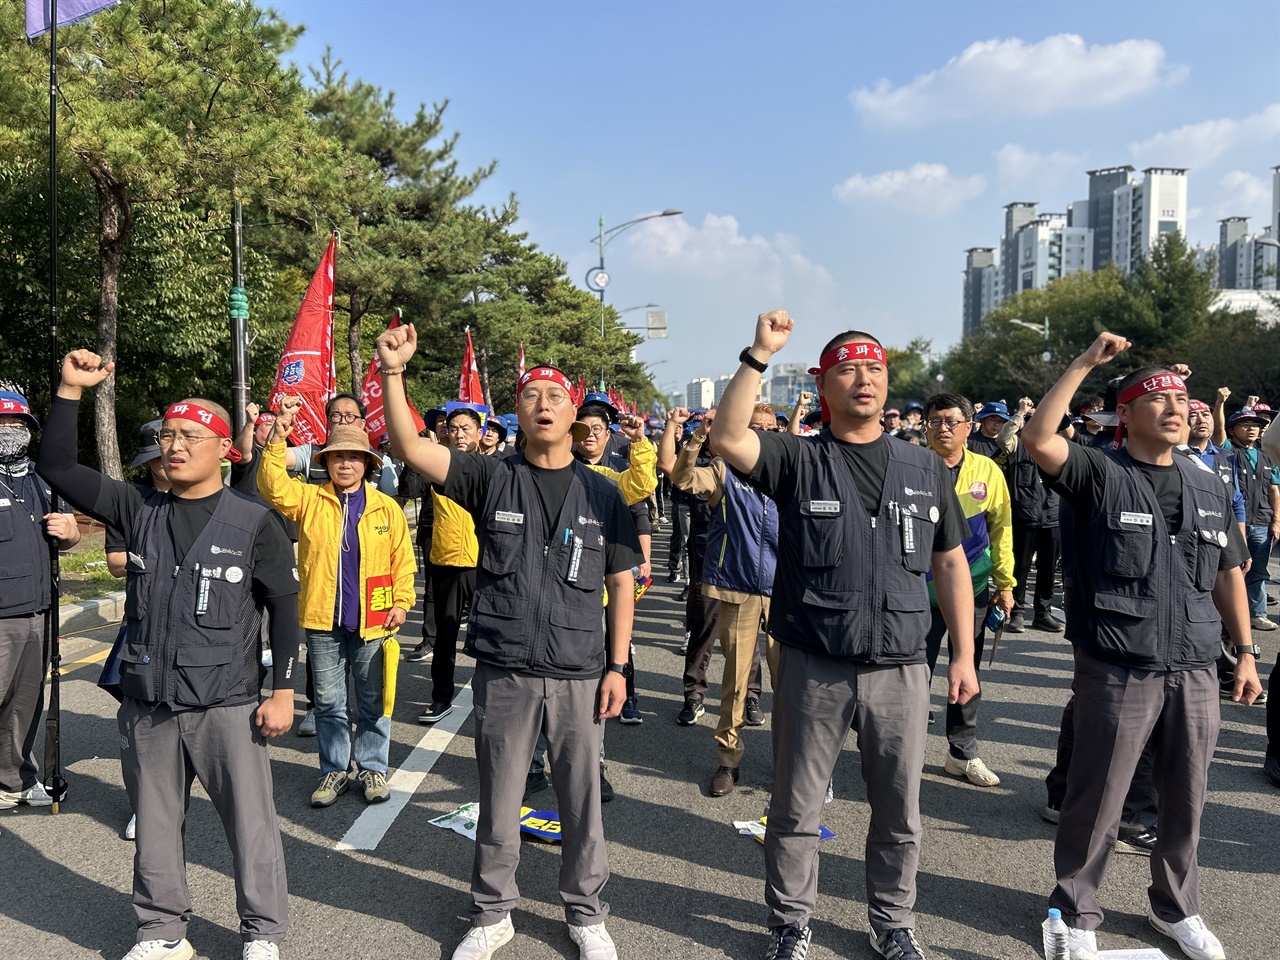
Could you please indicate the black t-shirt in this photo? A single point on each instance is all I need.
(987, 446)
(468, 484)
(1083, 482)
(775, 475)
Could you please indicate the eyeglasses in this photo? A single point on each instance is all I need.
(337, 417)
(937, 424)
(597, 429)
(167, 438)
(553, 396)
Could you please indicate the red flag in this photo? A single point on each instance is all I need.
(469, 389)
(520, 369)
(306, 367)
(580, 393)
(375, 422)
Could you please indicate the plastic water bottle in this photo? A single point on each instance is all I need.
(1055, 937)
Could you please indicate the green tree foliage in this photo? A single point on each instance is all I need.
(912, 372)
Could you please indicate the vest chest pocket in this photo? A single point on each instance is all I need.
(822, 532)
(1209, 544)
(920, 559)
(1128, 545)
(6, 524)
(217, 602)
(137, 589)
(502, 547)
(584, 561)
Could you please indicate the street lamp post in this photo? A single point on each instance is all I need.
(598, 278)
(1039, 328)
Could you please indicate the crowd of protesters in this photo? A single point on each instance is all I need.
(831, 547)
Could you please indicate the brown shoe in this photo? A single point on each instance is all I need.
(723, 781)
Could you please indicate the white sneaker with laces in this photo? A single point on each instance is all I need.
(1082, 944)
(594, 942)
(131, 829)
(975, 771)
(161, 950)
(34, 796)
(1195, 939)
(481, 943)
(260, 950)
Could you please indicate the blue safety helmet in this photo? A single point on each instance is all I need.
(603, 400)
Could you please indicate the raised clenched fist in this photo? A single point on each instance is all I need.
(677, 415)
(289, 407)
(397, 346)
(1106, 348)
(772, 330)
(84, 368)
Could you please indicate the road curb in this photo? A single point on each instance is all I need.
(87, 614)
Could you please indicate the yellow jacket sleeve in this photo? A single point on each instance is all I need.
(280, 490)
(1000, 530)
(641, 478)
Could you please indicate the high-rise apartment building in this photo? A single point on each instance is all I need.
(700, 394)
(1103, 184)
(1235, 259)
(1048, 248)
(1016, 216)
(786, 384)
(981, 285)
(1144, 210)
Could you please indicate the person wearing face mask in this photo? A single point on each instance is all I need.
(357, 568)
(28, 522)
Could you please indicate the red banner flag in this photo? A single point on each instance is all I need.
(306, 367)
(469, 389)
(375, 422)
(580, 393)
(520, 369)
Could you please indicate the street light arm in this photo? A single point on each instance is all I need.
(605, 236)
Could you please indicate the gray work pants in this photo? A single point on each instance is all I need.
(1117, 710)
(22, 669)
(511, 709)
(162, 752)
(817, 700)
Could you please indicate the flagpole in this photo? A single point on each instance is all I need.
(53, 719)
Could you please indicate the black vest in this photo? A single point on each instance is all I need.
(1255, 487)
(1033, 503)
(538, 604)
(24, 550)
(845, 587)
(192, 624)
(1146, 597)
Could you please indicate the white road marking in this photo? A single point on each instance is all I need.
(372, 825)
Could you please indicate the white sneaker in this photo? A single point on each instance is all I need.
(161, 950)
(131, 831)
(975, 771)
(594, 942)
(1082, 944)
(481, 943)
(1196, 940)
(260, 950)
(34, 796)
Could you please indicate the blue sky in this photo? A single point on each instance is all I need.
(831, 159)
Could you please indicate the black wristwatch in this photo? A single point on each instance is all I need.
(1251, 648)
(622, 668)
(756, 365)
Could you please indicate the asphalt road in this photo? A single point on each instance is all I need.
(684, 883)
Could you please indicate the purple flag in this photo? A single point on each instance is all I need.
(69, 11)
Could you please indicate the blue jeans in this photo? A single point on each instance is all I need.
(1255, 581)
(333, 654)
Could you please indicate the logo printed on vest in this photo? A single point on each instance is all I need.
(825, 507)
(215, 550)
(595, 523)
(1208, 513)
(1140, 519)
(506, 516)
(977, 490)
(917, 493)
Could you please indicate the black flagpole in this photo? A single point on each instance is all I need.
(54, 783)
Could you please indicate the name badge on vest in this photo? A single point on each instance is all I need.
(1138, 519)
(827, 508)
(5, 502)
(506, 516)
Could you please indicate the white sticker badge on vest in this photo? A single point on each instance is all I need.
(506, 516)
(827, 507)
(1222, 538)
(933, 514)
(234, 574)
(1140, 519)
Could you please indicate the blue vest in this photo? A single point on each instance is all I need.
(538, 604)
(846, 587)
(1146, 596)
(742, 542)
(192, 623)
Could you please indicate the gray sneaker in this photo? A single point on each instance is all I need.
(375, 786)
(333, 785)
(307, 728)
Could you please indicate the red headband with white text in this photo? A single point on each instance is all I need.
(186, 410)
(1156, 383)
(545, 373)
(843, 353)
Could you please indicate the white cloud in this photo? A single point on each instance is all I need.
(1200, 144)
(1016, 78)
(719, 251)
(1016, 166)
(1238, 194)
(925, 189)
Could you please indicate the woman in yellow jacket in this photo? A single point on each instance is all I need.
(356, 568)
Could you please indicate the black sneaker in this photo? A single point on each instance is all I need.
(789, 943)
(1271, 767)
(693, 709)
(421, 653)
(1016, 624)
(435, 713)
(754, 716)
(1139, 844)
(606, 788)
(535, 783)
(1046, 623)
(1051, 813)
(684, 593)
(898, 944)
